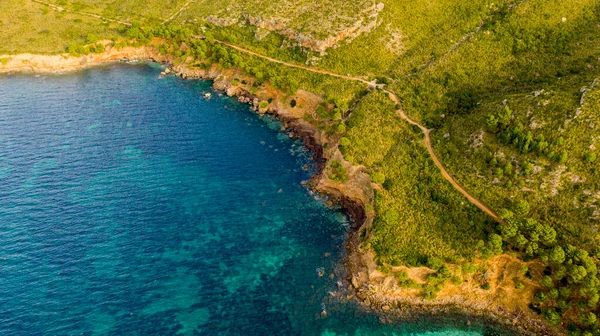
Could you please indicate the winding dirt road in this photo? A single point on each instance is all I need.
(61, 9)
(294, 65)
(394, 98)
(176, 14)
(438, 163)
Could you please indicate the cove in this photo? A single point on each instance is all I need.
(131, 205)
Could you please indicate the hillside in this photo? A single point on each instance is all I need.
(510, 91)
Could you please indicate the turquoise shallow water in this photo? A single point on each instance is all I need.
(130, 205)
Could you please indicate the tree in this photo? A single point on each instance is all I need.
(521, 207)
(577, 274)
(508, 230)
(495, 243)
(508, 169)
(556, 255)
(540, 296)
(527, 168)
(588, 319)
(91, 38)
(560, 272)
(547, 281)
(531, 249)
(492, 123)
(506, 214)
(520, 241)
(547, 235)
(435, 263)
(505, 116)
(552, 316)
(563, 156)
(590, 157)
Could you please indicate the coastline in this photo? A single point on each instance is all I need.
(355, 195)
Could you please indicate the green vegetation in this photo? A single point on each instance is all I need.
(510, 90)
(417, 207)
(32, 27)
(338, 172)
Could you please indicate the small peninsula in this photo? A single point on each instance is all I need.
(459, 137)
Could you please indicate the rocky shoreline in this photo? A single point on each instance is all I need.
(355, 195)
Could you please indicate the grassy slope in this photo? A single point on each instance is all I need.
(31, 27)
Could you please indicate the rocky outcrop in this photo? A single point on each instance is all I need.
(313, 38)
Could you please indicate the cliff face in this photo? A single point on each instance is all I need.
(315, 33)
(63, 63)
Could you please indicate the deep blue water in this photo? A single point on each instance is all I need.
(130, 205)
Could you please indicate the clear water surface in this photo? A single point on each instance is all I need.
(130, 205)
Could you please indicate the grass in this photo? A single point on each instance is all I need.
(35, 28)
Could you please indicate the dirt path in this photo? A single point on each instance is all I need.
(176, 14)
(395, 99)
(294, 65)
(61, 9)
(438, 163)
(465, 38)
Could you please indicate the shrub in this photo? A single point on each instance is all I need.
(385, 269)
(552, 316)
(338, 172)
(345, 142)
(469, 268)
(429, 292)
(378, 177)
(588, 319)
(590, 157)
(547, 281)
(435, 263)
(91, 39)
